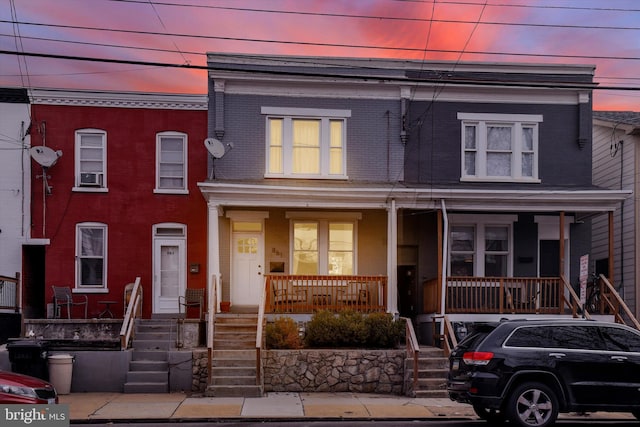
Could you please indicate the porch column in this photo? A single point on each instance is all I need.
(213, 252)
(392, 258)
(611, 271)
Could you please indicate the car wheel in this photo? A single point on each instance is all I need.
(532, 405)
(493, 416)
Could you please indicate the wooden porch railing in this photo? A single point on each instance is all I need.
(612, 303)
(132, 310)
(259, 335)
(503, 295)
(413, 349)
(10, 292)
(306, 294)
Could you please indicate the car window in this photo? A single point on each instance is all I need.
(618, 339)
(477, 333)
(529, 337)
(576, 337)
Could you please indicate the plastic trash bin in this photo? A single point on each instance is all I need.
(61, 372)
(29, 357)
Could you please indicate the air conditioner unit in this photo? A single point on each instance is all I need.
(92, 179)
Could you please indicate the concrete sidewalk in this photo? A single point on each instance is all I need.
(179, 406)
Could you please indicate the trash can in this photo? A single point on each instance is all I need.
(60, 372)
(29, 357)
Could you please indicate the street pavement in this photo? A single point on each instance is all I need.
(283, 405)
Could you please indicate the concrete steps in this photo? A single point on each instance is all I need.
(433, 367)
(149, 365)
(234, 372)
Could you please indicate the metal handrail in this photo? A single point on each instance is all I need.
(413, 348)
(212, 304)
(126, 332)
(259, 328)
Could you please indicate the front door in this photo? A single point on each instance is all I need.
(169, 273)
(248, 266)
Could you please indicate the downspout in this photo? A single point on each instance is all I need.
(445, 244)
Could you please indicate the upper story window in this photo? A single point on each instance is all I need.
(91, 160)
(500, 147)
(306, 142)
(171, 162)
(91, 256)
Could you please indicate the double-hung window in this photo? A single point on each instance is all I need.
(91, 255)
(500, 147)
(480, 249)
(323, 246)
(171, 162)
(91, 160)
(306, 142)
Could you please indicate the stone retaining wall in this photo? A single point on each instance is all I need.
(330, 370)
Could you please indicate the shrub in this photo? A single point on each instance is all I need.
(384, 331)
(320, 330)
(282, 334)
(353, 329)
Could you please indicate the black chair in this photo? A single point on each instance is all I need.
(191, 298)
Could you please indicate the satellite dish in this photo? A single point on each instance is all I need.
(45, 156)
(215, 147)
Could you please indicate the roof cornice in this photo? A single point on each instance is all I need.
(167, 101)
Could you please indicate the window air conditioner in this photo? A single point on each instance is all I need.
(91, 179)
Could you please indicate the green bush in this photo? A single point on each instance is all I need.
(353, 329)
(384, 331)
(282, 334)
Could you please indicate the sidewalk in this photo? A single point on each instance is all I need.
(179, 406)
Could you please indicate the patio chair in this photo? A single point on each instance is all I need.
(285, 295)
(355, 293)
(191, 298)
(63, 297)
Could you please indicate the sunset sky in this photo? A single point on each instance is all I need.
(597, 32)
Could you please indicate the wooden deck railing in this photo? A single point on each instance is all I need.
(306, 294)
(504, 295)
(10, 292)
(612, 303)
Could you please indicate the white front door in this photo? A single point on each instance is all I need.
(248, 266)
(169, 273)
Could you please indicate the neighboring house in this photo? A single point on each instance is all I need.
(443, 179)
(123, 199)
(15, 189)
(616, 164)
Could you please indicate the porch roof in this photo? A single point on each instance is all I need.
(297, 194)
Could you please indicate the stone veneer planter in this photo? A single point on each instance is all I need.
(323, 370)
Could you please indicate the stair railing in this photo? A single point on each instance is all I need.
(126, 332)
(573, 302)
(212, 304)
(616, 304)
(447, 339)
(413, 349)
(259, 328)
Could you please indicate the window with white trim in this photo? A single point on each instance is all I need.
(91, 255)
(171, 162)
(323, 247)
(91, 159)
(481, 250)
(306, 142)
(500, 147)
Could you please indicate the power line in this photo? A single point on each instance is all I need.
(447, 80)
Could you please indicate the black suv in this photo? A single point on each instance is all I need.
(527, 371)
